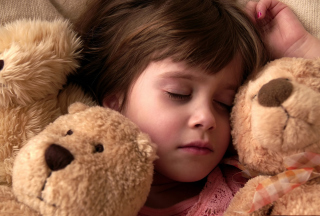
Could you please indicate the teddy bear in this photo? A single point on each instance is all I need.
(36, 58)
(91, 161)
(276, 132)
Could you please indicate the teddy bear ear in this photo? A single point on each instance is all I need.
(77, 107)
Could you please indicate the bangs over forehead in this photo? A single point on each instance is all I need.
(206, 34)
(121, 37)
(202, 37)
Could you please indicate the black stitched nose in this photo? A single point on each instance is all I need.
(275, 92)
(58, 157)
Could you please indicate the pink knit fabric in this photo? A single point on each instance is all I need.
(213, 199)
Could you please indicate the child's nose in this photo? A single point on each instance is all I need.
(203, 118)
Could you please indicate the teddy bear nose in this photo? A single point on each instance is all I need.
(58, 157)
(275, 92)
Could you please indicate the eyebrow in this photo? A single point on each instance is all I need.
(183, 75)
(180, 75)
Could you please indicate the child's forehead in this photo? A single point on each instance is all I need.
(169, 69)
(185, 68)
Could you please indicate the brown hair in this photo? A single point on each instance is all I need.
(121, 37)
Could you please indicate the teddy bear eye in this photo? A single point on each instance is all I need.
(69, 132)
(254, 96)
(1, 64)
(98, 148)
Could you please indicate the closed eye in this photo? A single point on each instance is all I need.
(176, 96)
(224, 106)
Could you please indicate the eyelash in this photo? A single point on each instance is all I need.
(225, 106)
(178, 96)
(187, 97)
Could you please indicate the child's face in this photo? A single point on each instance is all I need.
(186, 113)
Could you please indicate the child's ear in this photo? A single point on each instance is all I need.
(112, 102)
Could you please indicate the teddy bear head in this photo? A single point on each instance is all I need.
(35, 59)
(92, 161)
(277, 114)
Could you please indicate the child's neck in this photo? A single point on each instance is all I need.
(165, 192)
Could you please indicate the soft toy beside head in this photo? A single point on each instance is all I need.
(93, 161)
(276, 131)
(36, 57)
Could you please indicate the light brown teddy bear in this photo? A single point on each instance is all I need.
(276, 131)
(36, 57)
(93, 161)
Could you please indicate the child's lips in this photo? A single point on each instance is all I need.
(197, 147)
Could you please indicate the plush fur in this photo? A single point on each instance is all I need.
(93, 161)
(277, 114)
(36, 58)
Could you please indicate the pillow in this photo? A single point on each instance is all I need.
(42, 9)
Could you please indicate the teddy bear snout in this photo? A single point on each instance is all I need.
(58, 157)
(275, 92)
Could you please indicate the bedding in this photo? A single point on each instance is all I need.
(306, 10)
